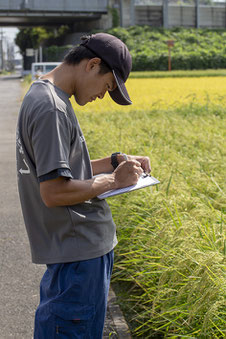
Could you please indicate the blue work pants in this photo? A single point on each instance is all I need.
(73, 299)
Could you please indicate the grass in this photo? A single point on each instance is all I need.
(4, 72)
(170, 260)
(179, 74)
(26, 83)
(155, 94)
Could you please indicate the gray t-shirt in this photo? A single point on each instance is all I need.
(48, 138)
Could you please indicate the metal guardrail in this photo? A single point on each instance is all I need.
(97, 6)
(209, 3)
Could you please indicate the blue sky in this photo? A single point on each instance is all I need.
(10, 32)
(9, 35)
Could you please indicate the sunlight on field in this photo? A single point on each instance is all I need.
(169, 260)
(148, 94)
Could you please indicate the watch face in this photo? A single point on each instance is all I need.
(125, 157)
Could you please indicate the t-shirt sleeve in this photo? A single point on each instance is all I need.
(60, 172)
(50, 135)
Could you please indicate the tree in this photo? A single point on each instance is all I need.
(31, 38)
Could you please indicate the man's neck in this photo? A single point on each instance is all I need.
(63, 77)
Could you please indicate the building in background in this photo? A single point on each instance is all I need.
(84, 16)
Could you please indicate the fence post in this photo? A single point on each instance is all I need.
(170, 44)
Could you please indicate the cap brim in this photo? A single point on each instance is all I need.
(120, 94)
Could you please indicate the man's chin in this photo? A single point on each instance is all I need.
(80, 102)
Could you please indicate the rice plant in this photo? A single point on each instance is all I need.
(169, 271)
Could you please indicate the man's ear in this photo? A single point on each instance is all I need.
(93, 63)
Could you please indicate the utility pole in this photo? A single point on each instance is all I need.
(132, 12)
(165, 6)
(197, 13)
(121, 12)
(1, 49)
(40, 54)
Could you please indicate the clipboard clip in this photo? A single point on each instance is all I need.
(144, 175)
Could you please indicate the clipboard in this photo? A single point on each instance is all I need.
(144, 181)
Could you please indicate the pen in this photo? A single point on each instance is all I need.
(125, 157)
(144, 175)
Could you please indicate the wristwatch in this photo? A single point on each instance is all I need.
(114, 160)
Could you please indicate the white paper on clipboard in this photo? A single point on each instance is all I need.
(142, 182)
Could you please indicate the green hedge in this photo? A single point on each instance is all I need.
(55, 53)
(193, 49)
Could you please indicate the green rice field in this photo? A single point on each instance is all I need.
(169, 272)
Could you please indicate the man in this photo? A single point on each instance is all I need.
(69, 228)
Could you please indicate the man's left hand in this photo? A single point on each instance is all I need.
(143, 160)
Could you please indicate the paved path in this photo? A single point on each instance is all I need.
(19, 278)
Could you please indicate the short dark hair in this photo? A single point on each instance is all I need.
(80, 52)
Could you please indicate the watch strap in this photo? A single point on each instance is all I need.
(114, 160)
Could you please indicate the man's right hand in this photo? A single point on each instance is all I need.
(127, 173)
(64, 192)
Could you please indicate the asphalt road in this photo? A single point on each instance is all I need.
(19, 278)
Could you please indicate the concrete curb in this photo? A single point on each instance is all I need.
(119, 323)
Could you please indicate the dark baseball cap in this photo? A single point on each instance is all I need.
(117, 57)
